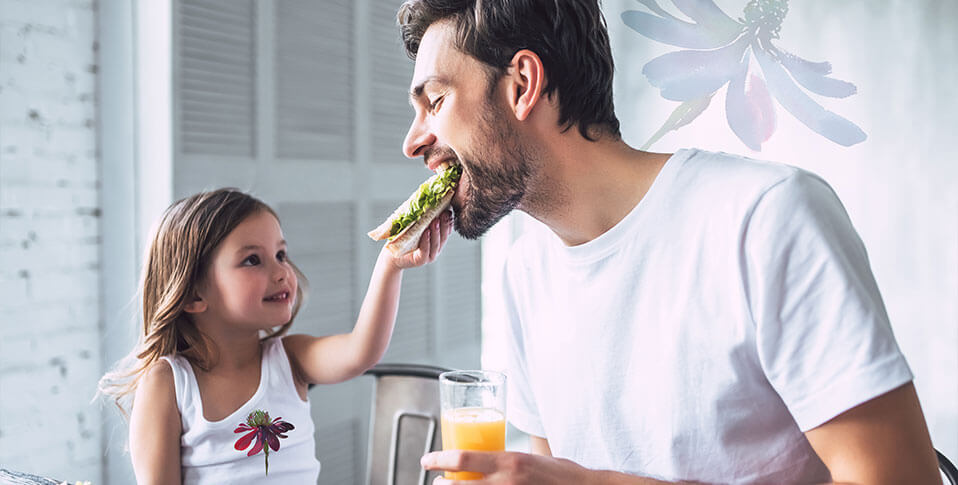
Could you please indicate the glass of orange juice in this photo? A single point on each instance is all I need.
(473, 404)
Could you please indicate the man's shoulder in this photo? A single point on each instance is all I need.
(719, 176)
(727, 167)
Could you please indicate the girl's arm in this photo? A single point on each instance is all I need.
(336, 358)
(155, 428)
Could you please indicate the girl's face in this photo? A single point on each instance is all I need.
(249, 283)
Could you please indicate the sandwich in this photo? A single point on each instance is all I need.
(407, 223)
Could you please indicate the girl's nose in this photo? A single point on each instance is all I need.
(282, 272)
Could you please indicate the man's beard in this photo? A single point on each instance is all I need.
(498, 171)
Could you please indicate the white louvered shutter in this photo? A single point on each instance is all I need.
(217, 83)
(314, 69)
(390, 74)
(305, 104)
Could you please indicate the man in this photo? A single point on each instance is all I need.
(697, 317)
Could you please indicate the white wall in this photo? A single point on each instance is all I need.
(49, 239)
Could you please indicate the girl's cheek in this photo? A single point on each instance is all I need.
(294, 281)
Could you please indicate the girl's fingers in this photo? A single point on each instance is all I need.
(445, 227)
(421, 255)
(430, 243)
(434, 240)
(424, 241)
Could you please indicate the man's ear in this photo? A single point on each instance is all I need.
(198, 305)
(527, 80)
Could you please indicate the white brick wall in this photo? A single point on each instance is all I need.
(49, 239)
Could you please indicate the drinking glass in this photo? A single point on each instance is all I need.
(473, 405)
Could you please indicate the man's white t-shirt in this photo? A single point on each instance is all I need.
(730, 311)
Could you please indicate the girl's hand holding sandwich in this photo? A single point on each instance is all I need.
(431, 241)
(405, 229)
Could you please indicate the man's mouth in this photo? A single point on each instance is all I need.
(435, 161)
(458, 197)
(448, 162)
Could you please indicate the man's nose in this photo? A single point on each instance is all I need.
(419, 138)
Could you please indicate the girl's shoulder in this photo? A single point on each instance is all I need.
(155, 394)
(156, 383)
(155, 424)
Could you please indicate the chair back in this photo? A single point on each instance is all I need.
(947, 468)
(404, 423)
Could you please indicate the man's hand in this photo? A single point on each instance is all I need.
(884, 440)
(509, 468)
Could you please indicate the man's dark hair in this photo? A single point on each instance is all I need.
(569, 36)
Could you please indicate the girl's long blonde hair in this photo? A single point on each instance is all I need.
(178, 258)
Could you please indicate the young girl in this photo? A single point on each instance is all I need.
(218, 392)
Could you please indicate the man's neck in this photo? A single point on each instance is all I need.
(586, 187)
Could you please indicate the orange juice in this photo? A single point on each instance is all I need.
(479, 429)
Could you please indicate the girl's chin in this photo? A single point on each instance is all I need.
(283, 321)
(277, 320)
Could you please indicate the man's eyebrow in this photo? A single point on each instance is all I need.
(416, 91)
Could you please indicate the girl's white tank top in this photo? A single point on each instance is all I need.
(207, 448)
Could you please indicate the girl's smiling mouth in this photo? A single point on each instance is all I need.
(280, 297)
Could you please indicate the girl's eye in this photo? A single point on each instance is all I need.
(252, 260)
(281, 256)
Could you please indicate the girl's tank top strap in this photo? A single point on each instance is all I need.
(185, 393)
(281, 372)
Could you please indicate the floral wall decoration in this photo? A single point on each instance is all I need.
(743, 54)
